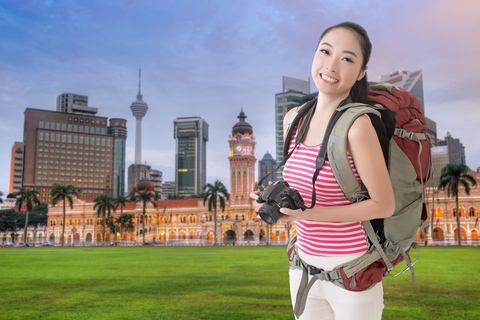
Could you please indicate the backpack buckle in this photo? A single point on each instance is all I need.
(312, 270)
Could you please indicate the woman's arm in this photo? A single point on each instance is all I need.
(367, 155)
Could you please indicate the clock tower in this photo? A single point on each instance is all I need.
(242, 162)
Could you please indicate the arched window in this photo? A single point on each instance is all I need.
(472, 212)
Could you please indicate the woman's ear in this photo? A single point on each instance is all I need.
(362, 74)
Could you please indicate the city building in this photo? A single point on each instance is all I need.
(294, 93)
(242, 162)
(137, 172)
(74, 103)
(410, 81)
(16, 167)
(446, 151)
(118, 130)
(266, 168)
(70, 148)
(168, 189)
(191, 136)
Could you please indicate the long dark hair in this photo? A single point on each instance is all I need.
(359, 91)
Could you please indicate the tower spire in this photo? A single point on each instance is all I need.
(139, 95)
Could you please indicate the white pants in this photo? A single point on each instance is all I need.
(327, 301)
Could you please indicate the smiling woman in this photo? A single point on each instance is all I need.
(330, 232)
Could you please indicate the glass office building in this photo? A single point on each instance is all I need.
(191, 136)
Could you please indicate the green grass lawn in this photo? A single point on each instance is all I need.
(209, 283)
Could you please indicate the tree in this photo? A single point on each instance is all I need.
(1, 195)
(10, 220)
(451, 178)
(104, 204)
(145, 197)
(128, 222)
(62, 192)
(38, 217)
(112, 225)
(212, 192)
(121, 201)
(29, 197)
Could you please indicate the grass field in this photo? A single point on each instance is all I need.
(209, 283)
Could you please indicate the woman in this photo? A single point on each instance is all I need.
(331, 232)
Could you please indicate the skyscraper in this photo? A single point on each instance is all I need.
(118, 130)
(16, 167)
(266, 166)
(139, 110)
(191, 136)
(410, 81)
(294, 91)
(77, 149)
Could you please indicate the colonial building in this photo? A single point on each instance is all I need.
(445, 215)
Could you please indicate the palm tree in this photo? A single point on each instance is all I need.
(121, 201)
(1, 195)
(104, 205)
(145, 197)
(63, 192)
(452, 177)
(112, 224)
(212, 192)
(128, 222)
(29, 197)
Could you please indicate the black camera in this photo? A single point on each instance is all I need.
(275, 196)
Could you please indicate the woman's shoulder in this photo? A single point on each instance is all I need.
(289, 117)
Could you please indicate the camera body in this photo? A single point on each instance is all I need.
(275, 196)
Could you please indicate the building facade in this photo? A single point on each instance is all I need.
(76, 149)
(191, 136)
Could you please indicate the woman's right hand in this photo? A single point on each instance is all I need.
(254, 196)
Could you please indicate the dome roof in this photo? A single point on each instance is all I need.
(242, 126)
(144, 184)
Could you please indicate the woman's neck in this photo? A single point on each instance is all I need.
(327, 103)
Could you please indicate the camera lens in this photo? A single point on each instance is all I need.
(270, 213)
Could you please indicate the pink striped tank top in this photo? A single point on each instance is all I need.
(317, 238)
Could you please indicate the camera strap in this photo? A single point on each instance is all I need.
(322, 154)
(301, 133)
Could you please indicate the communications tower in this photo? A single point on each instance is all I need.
(139, 109)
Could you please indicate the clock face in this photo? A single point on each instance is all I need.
(238, 147)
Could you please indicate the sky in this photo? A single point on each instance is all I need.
(213, 58)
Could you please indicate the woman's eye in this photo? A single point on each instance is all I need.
(348, 60)
(324, 51)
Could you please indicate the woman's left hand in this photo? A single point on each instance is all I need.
(290, 215)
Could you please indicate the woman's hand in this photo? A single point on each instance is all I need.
(290, 215)
(254, 196)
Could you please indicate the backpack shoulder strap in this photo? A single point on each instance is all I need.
(294, 120)
(337, 151)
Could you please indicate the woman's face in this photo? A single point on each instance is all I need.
(337, 63)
